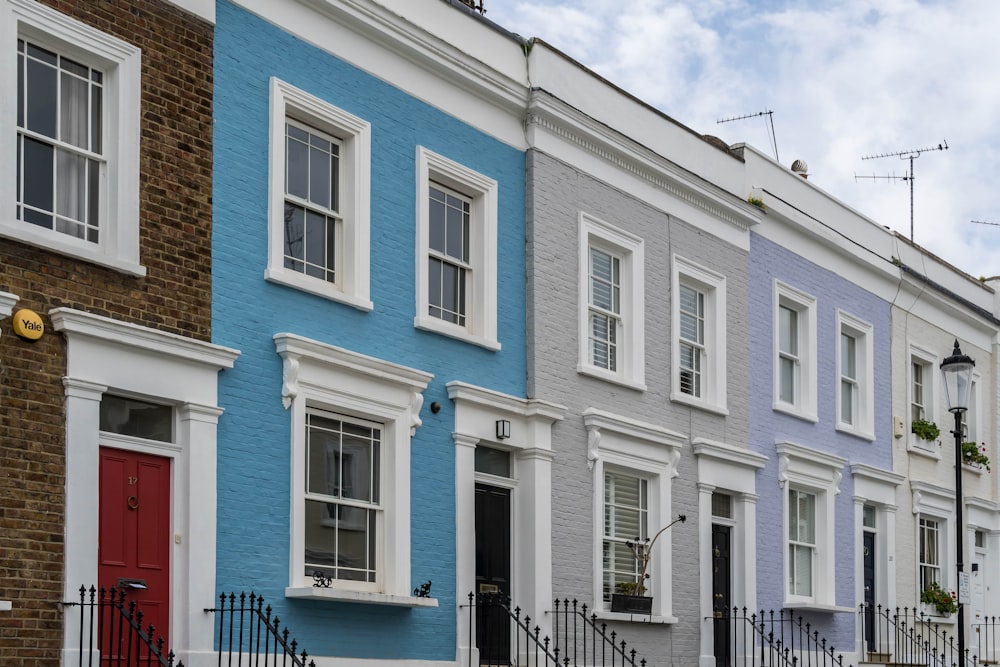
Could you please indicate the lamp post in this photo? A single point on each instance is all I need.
(957, 372)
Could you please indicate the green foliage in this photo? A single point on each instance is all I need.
(757, 201)
(630, 588)
(974, 454)
(944, 601)
(925, 430)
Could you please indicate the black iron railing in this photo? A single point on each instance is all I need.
(111, 632)
(505, 637)
(583, 639)
(247, 632)
(907, 635)
(773, 639)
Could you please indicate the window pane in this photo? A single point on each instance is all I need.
(786, 381)
(132, 417)
(492, 461)
(41, 98)
(846, 402)
(788, 339)
(294, 234)
(319, 172)
(848, 362)
(38, 174)
(74, 121)
(722, 505)
(436, 213)
(296, 165)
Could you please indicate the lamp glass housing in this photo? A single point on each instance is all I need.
(957, 372)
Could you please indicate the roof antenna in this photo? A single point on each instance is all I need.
(768, 125)
(983, 222)
(910, 155)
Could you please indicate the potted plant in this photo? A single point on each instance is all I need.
(629, 596)
(945, 602)
(975, 454)
(925, 430)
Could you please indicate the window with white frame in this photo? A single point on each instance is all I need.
(342, 506)
(801, 542)
(699, 336)
(811, 480)
(855, 392)
(633, 464)
(319, 208)
(923, 379)
(794, 352)
(456, 250)
(74, 129)
(626, 522)
(352, 417)
(929, 552)
(611, 303)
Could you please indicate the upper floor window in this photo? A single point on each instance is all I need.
(318, 219)
(699, 336)
(611, 328)
(856, 401)
(923, 392)
(794, 352)
(74, 180)
(457, 250)
(801, 542)
(605, 309)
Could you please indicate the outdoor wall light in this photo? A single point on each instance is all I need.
(503, 429)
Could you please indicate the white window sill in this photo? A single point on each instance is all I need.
(857, 433)
(925, 451)
(973, 468)
(301, 281)
(362, 597)
(653, 619)
(792, 411)
(69, 246)
(609, 376)
(701, 404)
(454, 331)
(818, 607)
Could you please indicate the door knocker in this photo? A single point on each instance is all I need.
(133, 503)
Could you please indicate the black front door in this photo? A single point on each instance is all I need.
(722, 593)
(492, 572)
(869, 565)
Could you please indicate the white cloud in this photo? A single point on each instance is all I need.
(845, 79)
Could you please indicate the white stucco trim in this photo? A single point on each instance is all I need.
(530, 444)
(7, 301)
(877, 488)
(727, 468)
(637, 448)
(106, 355)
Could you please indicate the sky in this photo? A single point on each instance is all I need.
(844, 79)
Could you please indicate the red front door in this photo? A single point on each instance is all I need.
(134, 532)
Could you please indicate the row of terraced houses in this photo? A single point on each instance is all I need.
(416, 329)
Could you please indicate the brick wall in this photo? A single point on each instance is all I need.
(174, 296)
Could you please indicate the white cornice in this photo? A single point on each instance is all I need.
(428, 47)
(558, 118)
(876, 474)
(78, 323)
(7, 301)
(724, 452)
(487, 398)
(631, 428)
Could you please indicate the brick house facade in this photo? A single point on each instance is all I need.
(169, 290)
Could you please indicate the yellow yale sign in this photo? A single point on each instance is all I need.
(28, 325)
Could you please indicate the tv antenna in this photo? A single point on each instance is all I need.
(768, 125)
(910, 155)
(983, 222)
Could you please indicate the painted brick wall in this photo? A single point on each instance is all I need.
(558, 192)
(768, 262)
(175, 231)
(254, 432)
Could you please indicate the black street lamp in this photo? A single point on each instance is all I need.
(957, 372)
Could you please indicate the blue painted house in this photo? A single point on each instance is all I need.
(368, 244)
